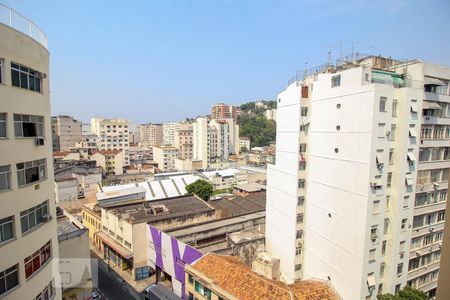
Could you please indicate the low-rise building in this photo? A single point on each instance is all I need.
(66, 155)
(187, 165)
(123, 227)
(226, 277)
(111, 161)
(257, 158)
(73, 244)
(244, 142)
(165, 157)
(91, 216)
(271, 114)
(222, 179)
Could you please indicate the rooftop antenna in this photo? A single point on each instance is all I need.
(306, 64)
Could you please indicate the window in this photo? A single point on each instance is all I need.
(299, 234)
(302, 148)
(418, 221)
(380, 289)
(36, 261)
(441, 216)
(389, 179)
(191, 279)
(9, 279)
(5, 178)
(47, 293)
(394, 108)
(397, 288)
(383, 247)
(376, 207)
(399, 269)
(392, 133)
(31, 171)
(388, 202)
(301, 183)
(25, 78)
(2, 63)
(383, 101)
(335, 81)
(2, 125)
(301, 200)
(298, 267)
(403, 226)
(34, 216)
(414, 263)
(382, 268)
(298, 250)
(427, 240)
(299, 218)
(204, 291)
(304, 111)
(28, 126)
(405, 201)
(6, 229)
(381, 130)
(391, 157)
(386, 226)
(372, 255)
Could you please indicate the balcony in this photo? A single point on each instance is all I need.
(437, 97)
(13, 19)
(430, 120)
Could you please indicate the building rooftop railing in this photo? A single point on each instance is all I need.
(13, 19)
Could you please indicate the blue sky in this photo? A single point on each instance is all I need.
(156, 61)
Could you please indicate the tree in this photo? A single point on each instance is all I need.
(201, 188)
(408, 293)
(243, 149)
(261, 131)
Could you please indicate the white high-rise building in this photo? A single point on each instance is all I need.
(169, 130)
(28, 238)
(112, 135)
(214, 140)
(341, 196)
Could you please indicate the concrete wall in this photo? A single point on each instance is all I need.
(66, 190)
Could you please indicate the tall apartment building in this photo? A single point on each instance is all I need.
(214, 140)
(151, 135)
(113, 135)
(66, 133)
(169, 130)
(28, 236)
(221, 111)
(184, 141)
(341, 197)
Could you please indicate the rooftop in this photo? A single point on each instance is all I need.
(237, 206)
(13, 19)
(229, 273)
(163, 209)
(250, 187)
(107, 152)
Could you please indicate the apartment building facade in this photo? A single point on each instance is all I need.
(221, 111)
(113, 135)
(169, 131)
(66, 133)
(165, 157)
(151, 135)
(111, 161)
(184, 141)
(352, 224)
(28, 239)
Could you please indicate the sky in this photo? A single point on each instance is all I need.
(158, 61)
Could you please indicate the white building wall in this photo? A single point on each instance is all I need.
(282, 183)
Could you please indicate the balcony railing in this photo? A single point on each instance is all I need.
(13, 19)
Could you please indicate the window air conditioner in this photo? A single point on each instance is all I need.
(46, 217)
(40, 141)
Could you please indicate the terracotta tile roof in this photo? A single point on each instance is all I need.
(107, 152)
(60, 153)
(233, 276)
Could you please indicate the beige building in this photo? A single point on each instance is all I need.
(66, 133)
(28, 240)
(271, 114)
(151, 135)
(165, 157)
(244, 142)
(111, 161)
(187, 165)
(184, 141)
(169, 131)
(443, 292)
(113, 135)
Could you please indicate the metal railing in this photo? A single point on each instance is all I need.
(13, 19)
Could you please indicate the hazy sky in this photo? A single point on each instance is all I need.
(155, 61)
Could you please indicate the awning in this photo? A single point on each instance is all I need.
(411, 156)
(414, 107)
(377, 181)
(380, 159)
(121, 250)
(412, 133)
(409, 179)
(433, 81)
(371, 280)
(430, 105)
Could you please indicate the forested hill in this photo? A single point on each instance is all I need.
(254, 125)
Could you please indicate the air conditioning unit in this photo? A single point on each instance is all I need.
(46, 217)
(40, 141)
(388, 133)
(427, 118)
(374, 236)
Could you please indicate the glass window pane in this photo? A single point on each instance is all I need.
(24, 223)
(23, 81)
(12, 280)
(15, 81)
(32, 220)
(18, 129)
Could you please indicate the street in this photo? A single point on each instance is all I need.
(110, 285)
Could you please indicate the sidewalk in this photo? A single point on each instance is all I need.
(124, 277)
